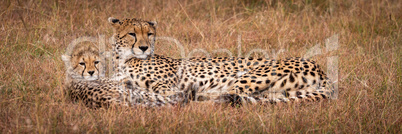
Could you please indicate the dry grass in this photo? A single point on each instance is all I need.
(34, 35)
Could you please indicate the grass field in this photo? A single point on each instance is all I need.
(34, 35)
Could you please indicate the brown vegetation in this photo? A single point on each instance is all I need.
(35, 34)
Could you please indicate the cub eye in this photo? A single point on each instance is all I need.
(149, 34)
(132, 34)
(82, 63)
(96, 62)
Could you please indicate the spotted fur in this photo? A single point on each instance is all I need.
(225, 79)
(98, 92)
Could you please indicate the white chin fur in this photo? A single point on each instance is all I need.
(128, 54)
(91, 78)
(141, 56)
(85, 77)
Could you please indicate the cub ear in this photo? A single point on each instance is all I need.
(113, 21)
(66, 58)
(153, 23)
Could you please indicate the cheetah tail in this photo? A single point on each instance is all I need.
(299, 96)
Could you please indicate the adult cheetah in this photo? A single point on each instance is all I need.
(227, 79)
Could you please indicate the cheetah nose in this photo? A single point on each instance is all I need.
(143, 48)
(91, 72)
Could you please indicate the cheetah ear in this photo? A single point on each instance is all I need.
(153, 23)
(66, 58)
(113, 21)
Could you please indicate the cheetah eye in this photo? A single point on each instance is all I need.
(82, 63)
(132, 34)
(149, 34)
(96, 62)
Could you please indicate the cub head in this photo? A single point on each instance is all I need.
(84, 62)
(133, 37)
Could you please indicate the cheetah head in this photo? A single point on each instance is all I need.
(133, 37)
(84, 62)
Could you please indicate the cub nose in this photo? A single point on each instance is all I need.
(143, 48)
(91, 72)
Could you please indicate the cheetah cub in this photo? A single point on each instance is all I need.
(85, 82)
